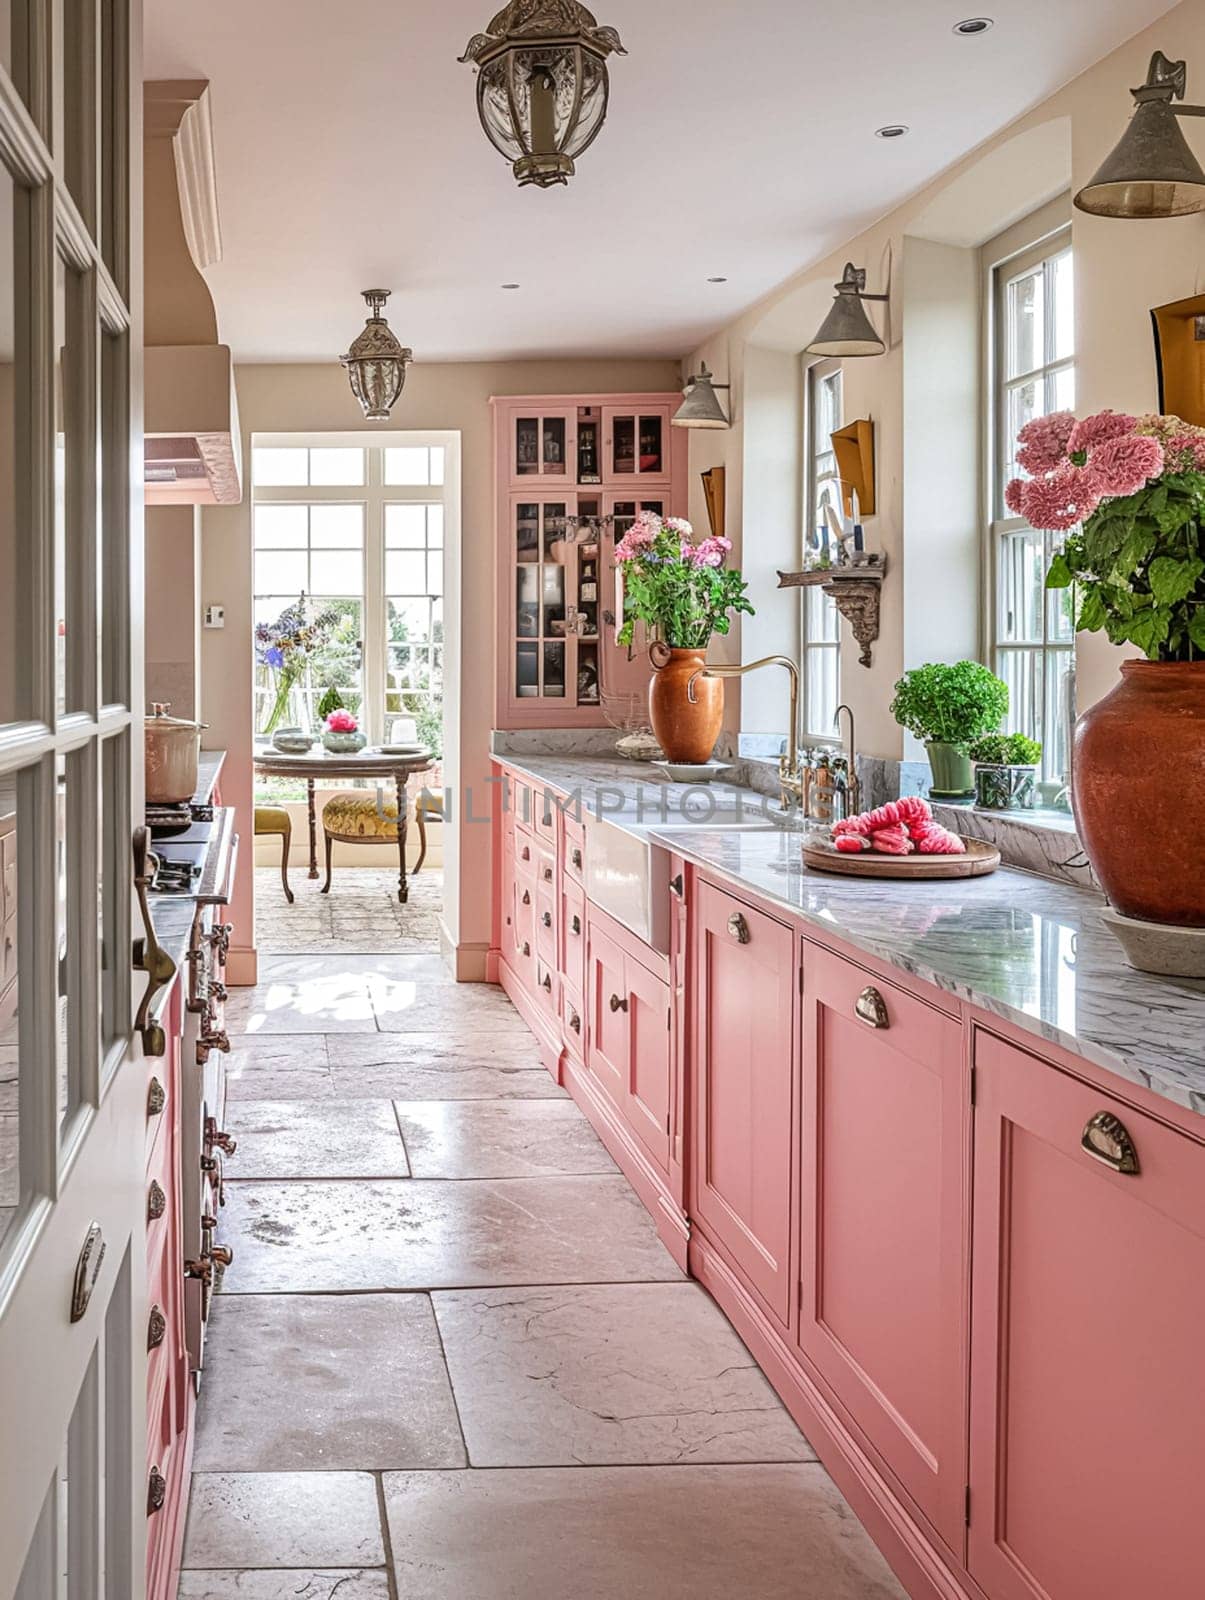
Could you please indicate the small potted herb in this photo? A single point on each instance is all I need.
(947, 706)
(1006, 771)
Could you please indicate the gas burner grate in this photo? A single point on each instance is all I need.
(164, 821)
(175, 877)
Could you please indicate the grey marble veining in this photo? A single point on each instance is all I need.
(1026, 948)
(1045, 844)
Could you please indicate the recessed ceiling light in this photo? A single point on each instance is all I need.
(717, 280)
(893, 130)
(511, 286)
(970, 26)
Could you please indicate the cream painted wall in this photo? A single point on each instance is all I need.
(1122, 269)
(173, 608)
(312, 399)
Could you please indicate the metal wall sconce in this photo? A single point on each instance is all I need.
(847, 330)
(701, 407)
(376, 363)
(542, 85)
(1151, 172)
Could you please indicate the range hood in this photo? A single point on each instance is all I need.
(193, 449)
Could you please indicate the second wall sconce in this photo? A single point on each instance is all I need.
(701, 407)
(1151, 172)
(847, 330)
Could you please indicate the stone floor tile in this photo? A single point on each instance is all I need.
(500, 1139)
(288, 1584)
(283, 1519)
(298, 1382)
(609, 1375)
(407, 1006)
(279, 1066)
(326, 1138)
(454, 1065)
(676, 1533)
(332, 1004)
(305, 966)
(414, 1234)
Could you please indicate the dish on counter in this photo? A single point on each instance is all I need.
(684, 772)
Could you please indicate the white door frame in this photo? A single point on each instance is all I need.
(72, 1393)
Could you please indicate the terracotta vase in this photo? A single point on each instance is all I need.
(1139, 791)
(686, 710)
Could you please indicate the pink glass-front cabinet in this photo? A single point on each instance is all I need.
(571, 475)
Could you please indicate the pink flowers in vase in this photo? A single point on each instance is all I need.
(341, 722)
(1074, 465)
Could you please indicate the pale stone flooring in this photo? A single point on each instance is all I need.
(451, 1359)
(362, 911)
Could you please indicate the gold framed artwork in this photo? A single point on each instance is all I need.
(853, 446)
(714, 495)
(1179, 329)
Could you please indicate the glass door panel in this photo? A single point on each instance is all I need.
(635, 443)
(545, 446)
(544, 556)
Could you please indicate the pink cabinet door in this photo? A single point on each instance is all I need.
(625, 668)
(1087, 1383)
(743, 1023)
(884, 1107)
(648, 1086)
(606, 1016)
(524, 950)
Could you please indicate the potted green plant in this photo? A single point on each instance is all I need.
(1006, 771)
(683, 593)
(1129, 494)
(946, 705)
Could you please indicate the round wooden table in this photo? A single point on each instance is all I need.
(366, 764)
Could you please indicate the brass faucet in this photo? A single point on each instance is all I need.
(790, 779)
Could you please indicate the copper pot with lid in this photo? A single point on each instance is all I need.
(173, 747)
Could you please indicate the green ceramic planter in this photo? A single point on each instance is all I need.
(953, 775)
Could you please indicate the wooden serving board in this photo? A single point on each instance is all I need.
(980, 858)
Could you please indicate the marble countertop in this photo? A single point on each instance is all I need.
(1022, 947)
(209, 767)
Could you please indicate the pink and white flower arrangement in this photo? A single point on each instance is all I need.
(1129, 493)
(341, 722)
(676, 585)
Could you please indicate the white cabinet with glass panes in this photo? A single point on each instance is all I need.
(349, 541)
(558, 660)
(1033, 638)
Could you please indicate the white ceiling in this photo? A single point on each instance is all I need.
(739, 143)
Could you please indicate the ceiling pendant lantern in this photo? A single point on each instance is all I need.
(376, 363)
(1151, 172)
(542, 85)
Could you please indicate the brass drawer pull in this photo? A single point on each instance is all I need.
(526, 856)
(156, 1328)
(575, 856)
(156, 1202)
(156, 1492)
(546, 983)
(617, 1004)
(156, 1098)
(527, 897)
(575, 1022)
(547, 874)
(871, 1009)
(526, 948)
(677, 885)
(1107, 1139)
(546, 918)
(576, 924)
(739, 928)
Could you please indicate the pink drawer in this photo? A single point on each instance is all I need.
(525, 849)
(573, 935)
(575, 849)
(573, 1021)
(546, 867)
(546, 924)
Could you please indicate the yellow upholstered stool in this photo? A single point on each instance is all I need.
(273, 820)
(358, 818)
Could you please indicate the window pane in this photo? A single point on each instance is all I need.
(336, 467)
(336, 572)
(1024, 333)
(409, 619)
(1055, 730)
(821, 671)
(337, 527)
(1063, 384)
(14, 686)
(435, 525)
(280, 468)
(406, 527)
(1060, 624)
(1062, 274)
(280, 527)
(821, 618)
(1021, 671)
(405, 572)
(281, 571)
(1023, 403)
(10, 1094)
(410, 465)
(437, 465)
(1021, 579)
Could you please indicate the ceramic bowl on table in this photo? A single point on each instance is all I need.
(292, 741)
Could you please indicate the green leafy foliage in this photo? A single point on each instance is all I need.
(1138, 565)
(331, 700)
(680, 602)
(1006, 750)
(950, 703)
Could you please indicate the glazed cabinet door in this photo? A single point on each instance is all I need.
(1087, 1384)
(541, 664)
(636, 443)
(743, 1029)
(543, 446)
(885, 1103)
(626, 669)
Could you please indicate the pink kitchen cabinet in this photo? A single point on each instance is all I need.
(1087, 1384)
(628, 1053)
(743, 1020)
(886, 1101)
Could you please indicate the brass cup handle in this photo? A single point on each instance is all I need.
(617, 1004)
(677, 886)
(546, 919)
(527, 897)
(576, 857)
(222, 1254)
(575, 1022)
(546, 983)
(156, 1492)
(739, 928)
(526, 948)
(526, 855)
(576, 924)
(547, 874)
(1107, 1140)
(871, 1008)
(156, 1098)
(156, 1201)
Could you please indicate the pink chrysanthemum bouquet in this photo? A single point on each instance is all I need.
(1129, 492)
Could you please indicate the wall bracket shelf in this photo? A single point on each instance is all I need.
(855, 590)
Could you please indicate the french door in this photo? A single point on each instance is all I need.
(72, 1105)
